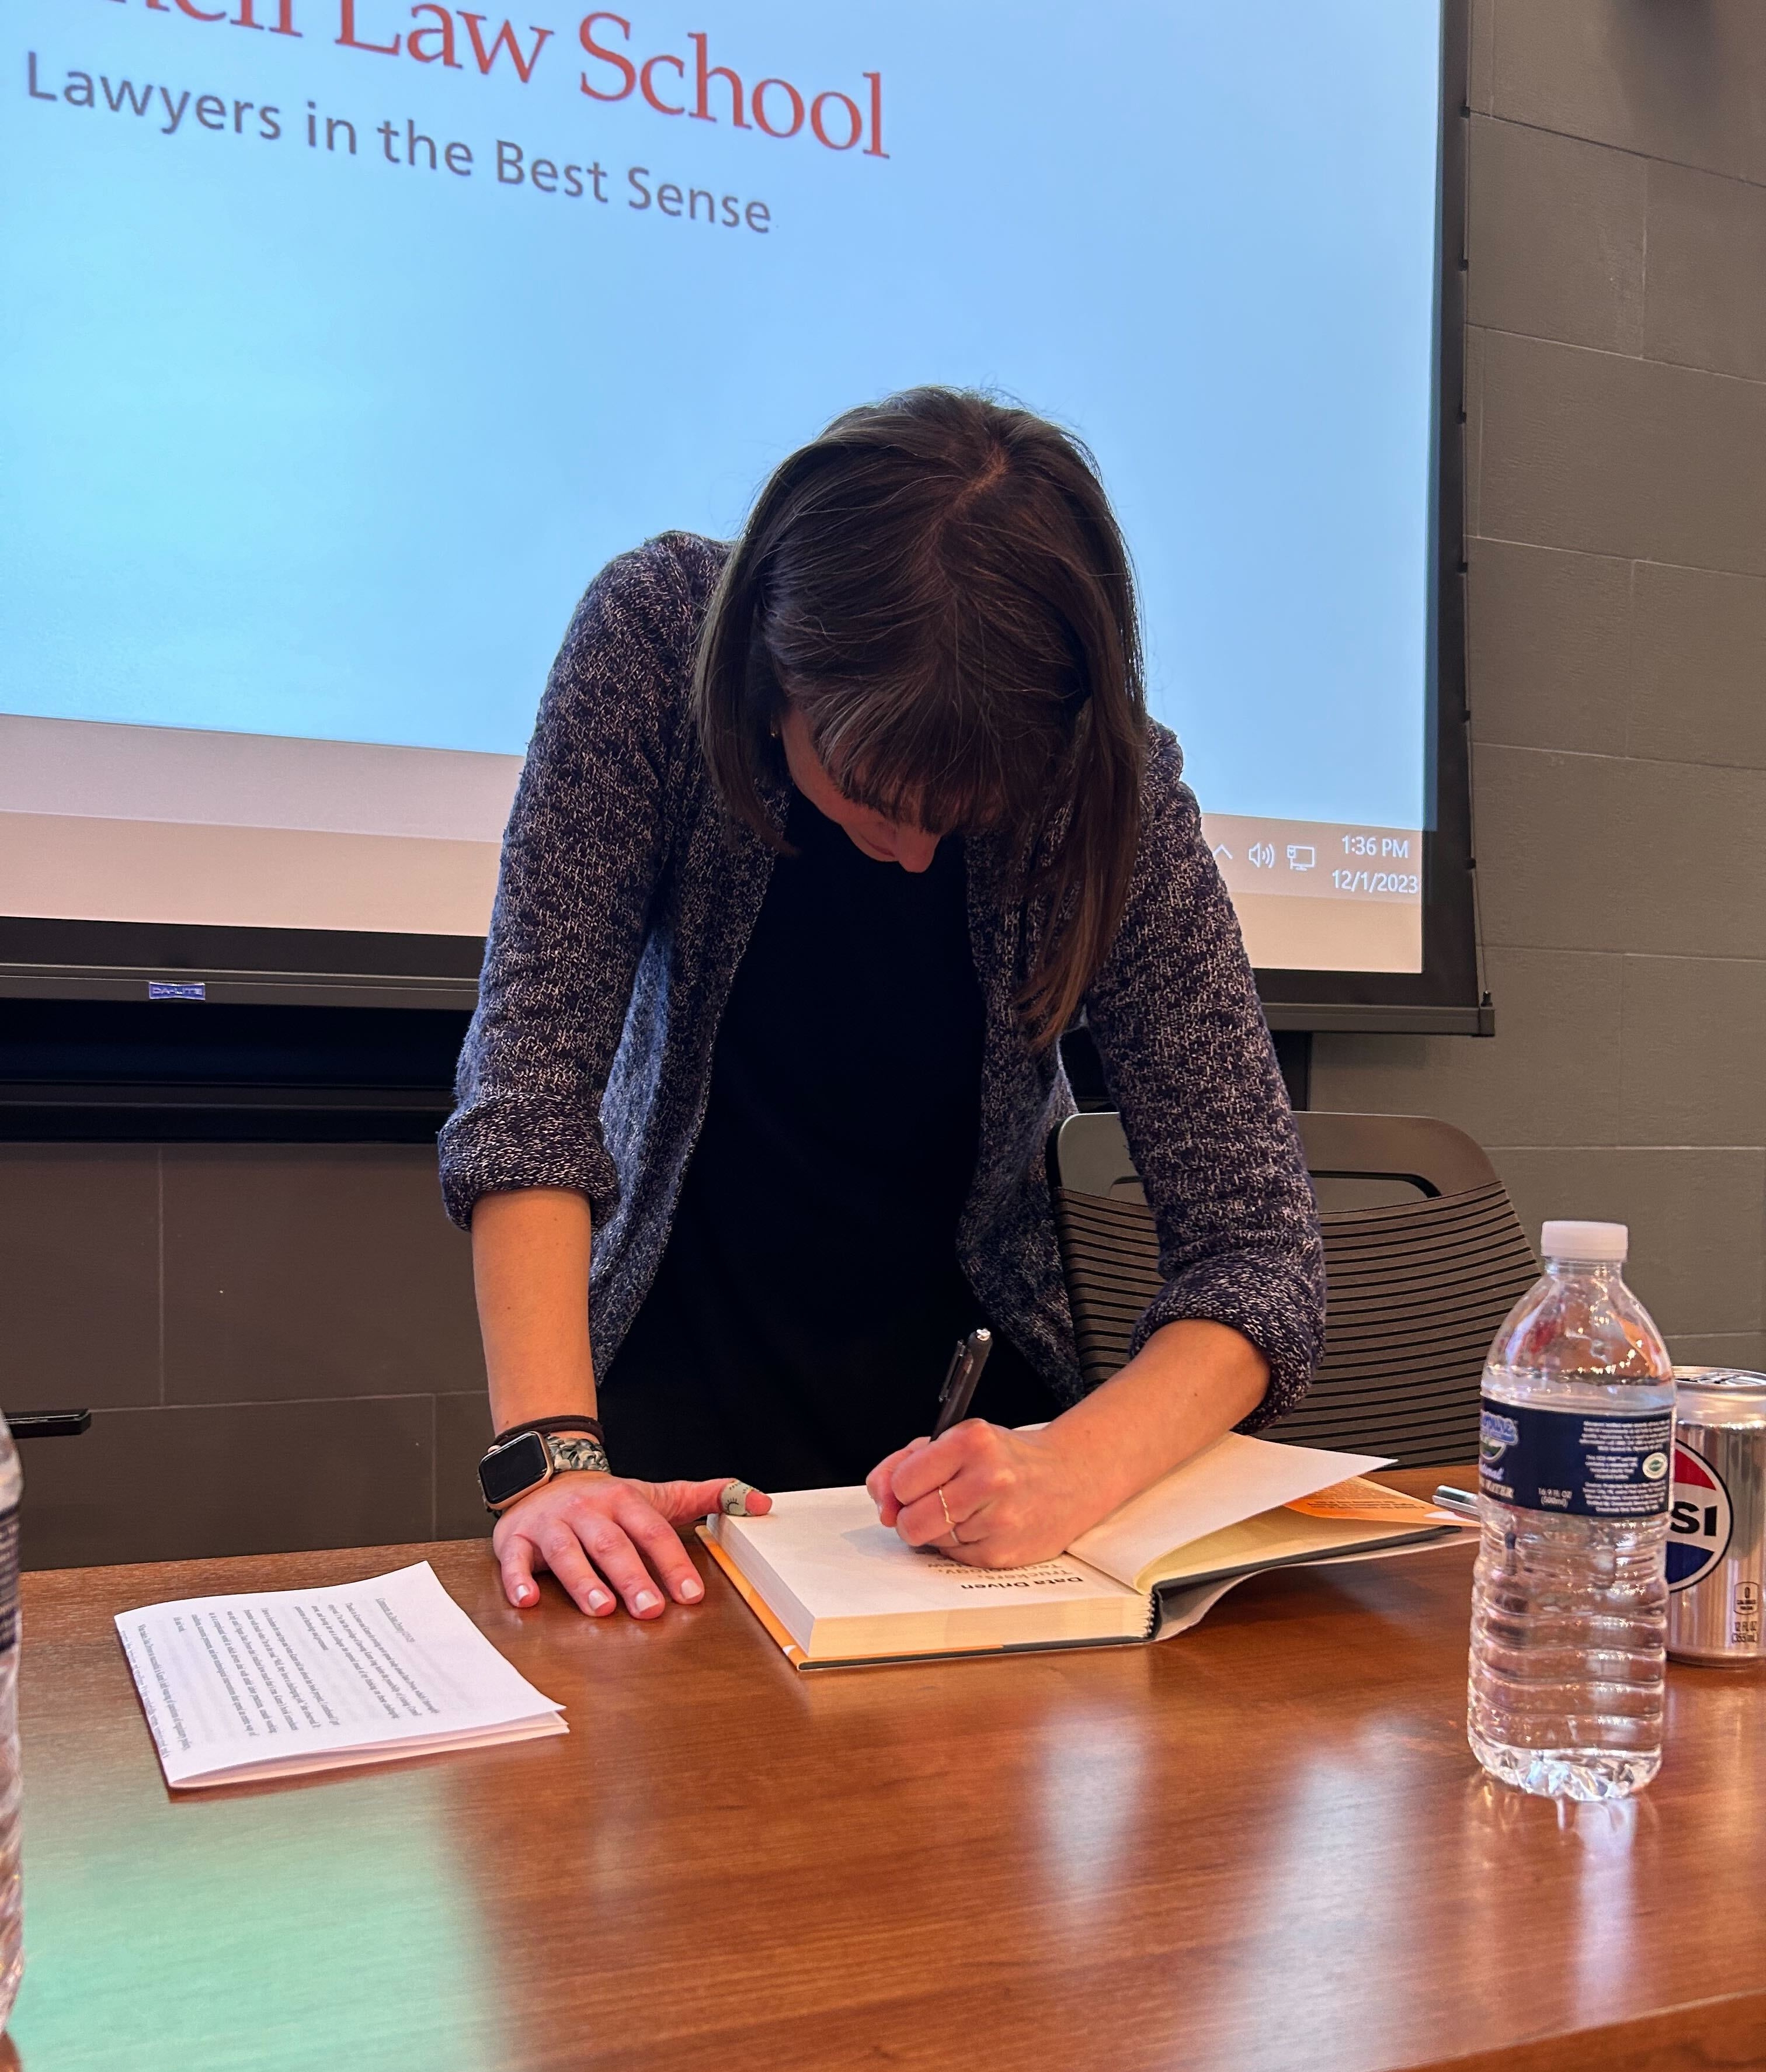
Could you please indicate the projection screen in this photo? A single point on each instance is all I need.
(349, 338)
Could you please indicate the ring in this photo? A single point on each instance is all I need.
(734, 1502)
(950, 1522)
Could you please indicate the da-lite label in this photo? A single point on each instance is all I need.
(1587, 1464)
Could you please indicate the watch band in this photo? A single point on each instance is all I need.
(546, 1454)
(580, 1421)
(578, 1456)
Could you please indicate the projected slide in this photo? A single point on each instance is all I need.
(346, 338)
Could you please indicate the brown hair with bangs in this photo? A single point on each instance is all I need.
(938, 586)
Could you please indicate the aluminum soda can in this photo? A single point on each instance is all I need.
(1717, 1523)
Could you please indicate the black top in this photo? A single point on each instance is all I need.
(809, 1296)
(625, 901)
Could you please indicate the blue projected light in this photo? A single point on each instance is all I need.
(305, 439)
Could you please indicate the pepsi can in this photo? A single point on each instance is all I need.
(1717, 1522)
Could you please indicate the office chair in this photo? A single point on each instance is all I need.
(1417, 1285)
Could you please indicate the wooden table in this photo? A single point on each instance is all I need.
(1259, 1846)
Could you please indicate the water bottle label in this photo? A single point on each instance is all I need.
(9, 1580)
(1590, 1465)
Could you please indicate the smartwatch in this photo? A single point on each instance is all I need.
(521, 1460)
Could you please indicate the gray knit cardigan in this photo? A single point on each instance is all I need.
(625, 901)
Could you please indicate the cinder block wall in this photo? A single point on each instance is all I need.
(278, 1342)
(1616, 379)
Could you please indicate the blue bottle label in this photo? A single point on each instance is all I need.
(1587, 1464)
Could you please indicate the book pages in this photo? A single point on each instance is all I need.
(1233, 1479)
(842, 1584)
(1274, 1539)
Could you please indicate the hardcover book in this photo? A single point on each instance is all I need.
(833, 1586)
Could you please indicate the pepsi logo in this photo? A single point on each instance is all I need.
(1698, 1519)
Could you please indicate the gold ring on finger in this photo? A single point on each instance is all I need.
(950, 1522)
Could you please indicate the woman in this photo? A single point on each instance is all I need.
(822, 841)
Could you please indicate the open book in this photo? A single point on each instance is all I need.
(833, 1586)
(274, 1683)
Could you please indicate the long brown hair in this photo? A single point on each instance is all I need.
(938, 584)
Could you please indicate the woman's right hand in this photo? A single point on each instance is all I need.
(608, 1541)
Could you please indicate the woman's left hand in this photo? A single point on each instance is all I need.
(1011, 1497)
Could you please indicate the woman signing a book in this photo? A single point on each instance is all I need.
(823, 840)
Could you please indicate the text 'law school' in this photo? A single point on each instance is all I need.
(615, 64)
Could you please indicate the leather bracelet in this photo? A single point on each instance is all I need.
(544, 1426)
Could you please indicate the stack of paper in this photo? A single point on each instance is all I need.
(273, 1684)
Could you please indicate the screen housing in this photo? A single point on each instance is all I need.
(309, 1034)
(1447, 996)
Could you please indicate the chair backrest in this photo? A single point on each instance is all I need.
(1416, 1289)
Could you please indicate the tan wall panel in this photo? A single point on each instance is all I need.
(81, 868)
(1330, 935)
(87, 869)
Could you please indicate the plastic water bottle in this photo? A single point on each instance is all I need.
(1570, 1604)
(11, 1897)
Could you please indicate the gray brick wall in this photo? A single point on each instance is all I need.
(276, 1343)
(1616, 487)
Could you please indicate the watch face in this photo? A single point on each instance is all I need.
(506, 1471)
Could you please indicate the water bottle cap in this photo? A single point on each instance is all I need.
(1606, 1242)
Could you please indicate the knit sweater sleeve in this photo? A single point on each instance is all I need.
(580, 858)
(1189, 1062)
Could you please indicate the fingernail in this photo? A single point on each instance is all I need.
(645, 1600)
(598, 1601)
(524, 1594)
(691, 1589)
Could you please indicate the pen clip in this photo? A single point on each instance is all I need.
(959, 1383)
(953, 1373)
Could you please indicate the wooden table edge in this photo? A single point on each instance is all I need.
(1724, 2034)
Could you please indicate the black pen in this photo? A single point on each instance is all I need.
(964, 1371)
